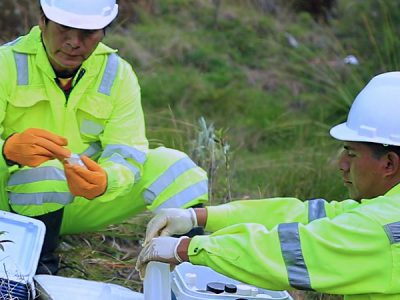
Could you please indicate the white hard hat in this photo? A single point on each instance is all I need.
(82, 14)
(375, 113)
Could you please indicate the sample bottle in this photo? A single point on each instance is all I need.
(74, 159)
(156, 284)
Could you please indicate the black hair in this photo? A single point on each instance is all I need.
(378, 150)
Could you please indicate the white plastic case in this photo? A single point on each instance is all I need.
(185, 290)
(18, 261)
(62, 288)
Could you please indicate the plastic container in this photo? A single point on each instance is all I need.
(61, 288)
(20, 257)
(157, 282)
(205, 275)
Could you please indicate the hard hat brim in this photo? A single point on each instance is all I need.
(342, 132)
(78, 21)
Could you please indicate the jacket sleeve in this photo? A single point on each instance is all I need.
(349, 254)
(123, 141)
(270, 212)
(8, 71)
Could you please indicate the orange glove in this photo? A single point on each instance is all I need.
(89, 183)
(35, 146)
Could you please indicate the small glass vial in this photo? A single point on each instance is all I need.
(74, 159)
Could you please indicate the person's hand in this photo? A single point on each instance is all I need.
(89, 182)
(34, 146)
(162, 249)
(171, 221)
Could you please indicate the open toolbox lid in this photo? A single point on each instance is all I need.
(18, 261)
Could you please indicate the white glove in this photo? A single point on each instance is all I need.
(163, 249)
(171, 221)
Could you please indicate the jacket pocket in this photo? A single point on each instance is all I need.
(92, 115)
(27, 108)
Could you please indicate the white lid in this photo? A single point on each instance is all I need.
(20, 258)
(244, 290)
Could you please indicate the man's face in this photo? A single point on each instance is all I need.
(67, 48)
(363, 173)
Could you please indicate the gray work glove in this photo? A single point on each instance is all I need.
(162, 249)
(171, 221)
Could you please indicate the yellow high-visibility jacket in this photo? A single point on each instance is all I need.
(349, 248)
(101, 118)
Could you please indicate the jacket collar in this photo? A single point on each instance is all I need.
(394, 190)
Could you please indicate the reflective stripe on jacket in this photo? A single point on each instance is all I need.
(164, 184)
(179, 181)
(346, 247)
(102, 116)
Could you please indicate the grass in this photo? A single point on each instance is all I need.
(107, 256)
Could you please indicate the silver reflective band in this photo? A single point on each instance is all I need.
(35, 175)
(292, 254)
(393, 232)
(120, 160)
(12, 43)
(162, 182)
(316, 209)
(187, 195)
(92, 150)
(125, 152)
(109, 75)
(91, 127)
(40, 198)
(21, 61)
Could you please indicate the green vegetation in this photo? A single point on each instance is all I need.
(250, 90)
(197, 59)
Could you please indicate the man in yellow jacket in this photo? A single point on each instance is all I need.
(62, 93)
(350, 247)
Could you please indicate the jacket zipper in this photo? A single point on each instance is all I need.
(78, 78)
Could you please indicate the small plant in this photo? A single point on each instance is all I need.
(8, 286)
(211, 151)
(4, 241)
